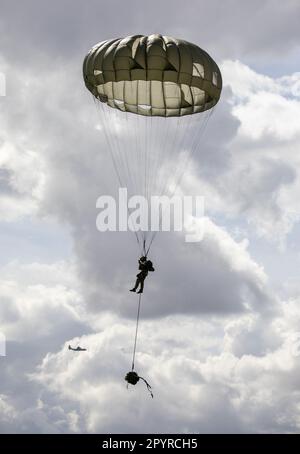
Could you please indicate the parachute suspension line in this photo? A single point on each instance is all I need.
(151, 142)
(129, 149)
(164, 183)
(203, 126)
(140, 145)
(133, 189)
(116, 150)
(133, 121)
(184, 147)
(200, 131)
(151, 241)
(108, 114)
(197, 133)
(127, 153)
(131, 129)
(164, 152)
(135, 163)
(179, 126)
(144, 133)
(169, 158)
(154, 151)
(147, 159)
(160, 157)
(149, 154)
(121, 148)
(138, 148)
(187, 144)
(188, 151)
(165, 149)
(152, 148)
(146, 189)
(130, 165)
(194, 148)
(182, 128)
(142, 168)
(143, 149)
(112, 135)
(149, 162)
(110, 147)
(136, 331)
(152, 139)
(189, 154)
(154, 155)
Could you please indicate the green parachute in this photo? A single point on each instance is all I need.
(153, 75)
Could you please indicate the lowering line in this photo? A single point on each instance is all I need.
(132, 377)
(136, 331)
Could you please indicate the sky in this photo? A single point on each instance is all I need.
(219, 339)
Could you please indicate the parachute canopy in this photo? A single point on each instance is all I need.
(149, 92)
(153, 76)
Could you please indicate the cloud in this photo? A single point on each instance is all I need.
(262, 103)
(258, 177)
(199, 386)
(65, 29)
(35, 292)
(22, 180)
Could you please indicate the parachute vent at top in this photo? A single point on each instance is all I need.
(153, 76)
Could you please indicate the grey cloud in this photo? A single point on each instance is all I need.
(67, 28)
